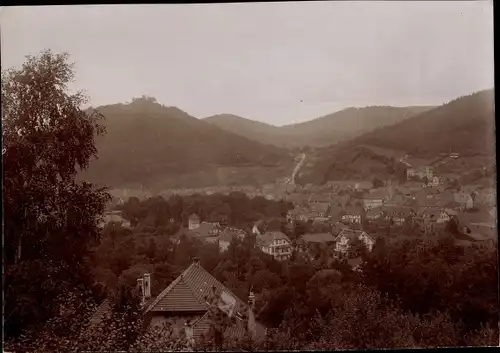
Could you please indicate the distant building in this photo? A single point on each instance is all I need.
(228, 235)
(276, 244)
(207, 231)
(374, 213)
(430, 219)
(352, 214)
(194, 221)
(363, 186)
(345, 237)
(114, 217)
(434, 181)
(419, 168)
(375, 199)
(184, 305)
(319, 199)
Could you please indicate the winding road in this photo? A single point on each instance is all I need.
(297, 168)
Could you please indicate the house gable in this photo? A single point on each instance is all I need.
(188, 292)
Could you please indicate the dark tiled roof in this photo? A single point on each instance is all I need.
(202, 325)
(320, 207)
(205, 228)
(318, 238)
(188, 292)
(229, 233)
(374, 211)
(268, 237)
(351, 233)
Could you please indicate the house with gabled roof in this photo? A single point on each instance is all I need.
(320, 209)
(396, 200)
(184, 304)
(276, 244)
(193, 221)
(398, 215)
(207, 231)
(227, 235)
(375, 199)
(319, 199)
(374, 213)
(353, 214)
(346, 235)
(432, 218)
(419, 168)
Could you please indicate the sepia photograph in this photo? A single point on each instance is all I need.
(260, 176)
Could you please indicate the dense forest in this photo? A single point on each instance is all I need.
(323, 131)
(464, 125)
(149, 144)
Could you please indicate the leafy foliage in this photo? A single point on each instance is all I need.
(49, 218)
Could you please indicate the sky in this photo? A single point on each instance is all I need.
(279, 63)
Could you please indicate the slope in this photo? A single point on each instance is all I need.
(254, 130)
(349, 123)
(152, 145)
(465, 126)
(323, 131)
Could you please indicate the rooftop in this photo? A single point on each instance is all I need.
(269, 237)
(229, 234)
(351, 233)
(318, 237)
(204, 229)
(189, 292)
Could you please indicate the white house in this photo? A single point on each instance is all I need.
(353, 215)
(194, 221)
(276, 244)
(346, 235)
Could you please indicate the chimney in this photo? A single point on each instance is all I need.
(140, 287)
(188, 330)
(251, 300)
(251, 317)
(196, 260)
(147, 286)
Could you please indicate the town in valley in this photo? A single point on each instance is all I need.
(336, 191)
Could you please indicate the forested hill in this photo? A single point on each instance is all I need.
(146, 143)
(323, 131)
(349, 123)
(254, 130)
(464, 125)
